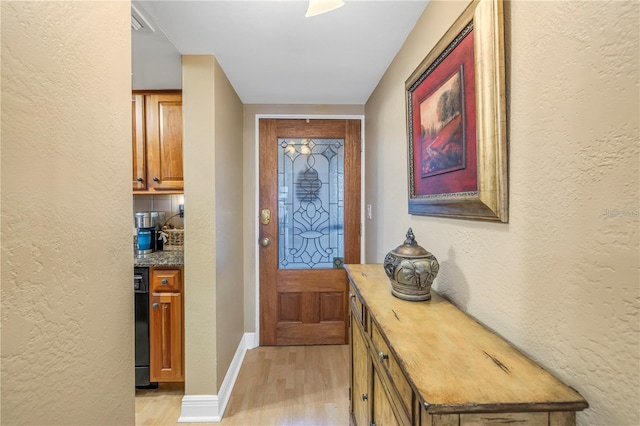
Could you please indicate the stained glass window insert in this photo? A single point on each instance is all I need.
(310, 203)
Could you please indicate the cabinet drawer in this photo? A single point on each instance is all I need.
(166, 280)
(390, 364)
(356, 304)
(487, 419)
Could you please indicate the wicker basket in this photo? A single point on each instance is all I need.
(175, 239)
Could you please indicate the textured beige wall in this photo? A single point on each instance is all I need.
(0, 211)
(250, 168)
(229, 262)
(198, 106)
(560, 281)
(67, 305)
(212, 115)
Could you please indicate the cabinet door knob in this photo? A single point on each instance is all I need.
(164, 281)
(265, 242)
(365, 396)
(382, 356)
(155, 179)
(155, 306)
(139, 179)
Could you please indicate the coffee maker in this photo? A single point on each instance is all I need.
(148, 225)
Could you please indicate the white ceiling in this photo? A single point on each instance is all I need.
(272, 54)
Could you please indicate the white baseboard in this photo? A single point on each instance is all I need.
(200, 409)
(210, 408)
(250, 340)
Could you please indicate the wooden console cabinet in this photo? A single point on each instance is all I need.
(428, 363)
(166, 325)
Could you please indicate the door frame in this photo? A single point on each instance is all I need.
(257, 194)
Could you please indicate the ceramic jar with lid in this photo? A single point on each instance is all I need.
(411, 270)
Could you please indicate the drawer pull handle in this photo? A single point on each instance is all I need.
(164, 281)
(365, 396)
(155, 306)
(382, 356)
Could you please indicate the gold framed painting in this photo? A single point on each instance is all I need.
(456, 121)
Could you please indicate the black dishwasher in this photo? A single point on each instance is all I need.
(141, 308)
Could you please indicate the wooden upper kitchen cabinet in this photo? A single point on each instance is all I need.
(428, 363)
(166, 325)
(139, 180)
(157, 142)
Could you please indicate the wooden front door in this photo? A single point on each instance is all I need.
(309, 227)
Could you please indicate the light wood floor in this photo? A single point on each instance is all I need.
(290, 385)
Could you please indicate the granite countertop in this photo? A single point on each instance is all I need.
(160, 258)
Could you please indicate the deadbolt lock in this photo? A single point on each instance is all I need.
(265, 216)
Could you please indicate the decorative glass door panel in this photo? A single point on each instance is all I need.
(310, 203)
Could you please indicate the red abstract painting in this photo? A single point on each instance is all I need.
(443, 125)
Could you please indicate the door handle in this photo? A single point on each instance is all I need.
(265, 241)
